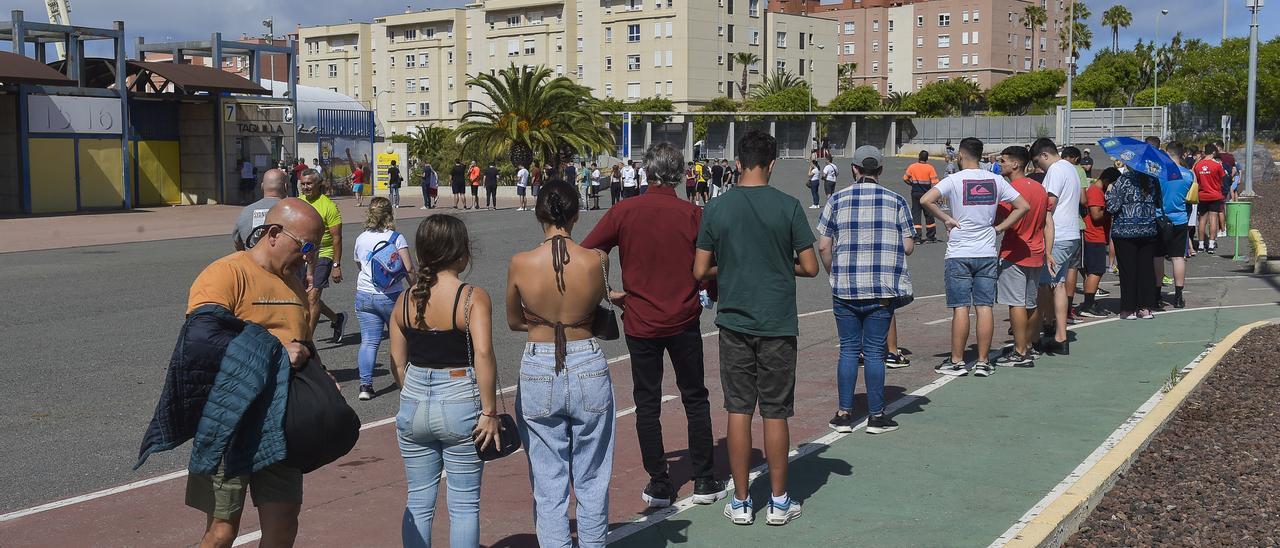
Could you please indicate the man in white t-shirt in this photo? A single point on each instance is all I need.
(971, 263)
(1062, 182)
(629, 188)
(522, 188)
(643, 177)
(829, 177)
(596, 185)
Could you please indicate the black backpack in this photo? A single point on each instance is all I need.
(319, 426)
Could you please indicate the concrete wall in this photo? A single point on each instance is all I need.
(197, 133)
(10, 183)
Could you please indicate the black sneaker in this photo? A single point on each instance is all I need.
(842, 422)
(1178, 302)
(896, 361)
(880, 424)
(339, 327)
(366, 392)
(1094, 310)
(659, 493)
(1103, 293)
(708, 490)
(1013, 359)
(948, 367)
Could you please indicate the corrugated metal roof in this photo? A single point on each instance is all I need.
(201, 78)
(20, 69)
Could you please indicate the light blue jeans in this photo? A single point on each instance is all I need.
(566, 425)
(373, 311)
(438, 411)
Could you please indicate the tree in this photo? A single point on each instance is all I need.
(775, 82)
(1082, 37)
(1117, 17)
(857, 99)
(745, 59)
(967, 94)
(719, 104)
(1033, 17)
(844, 75)
(647, 104)
(1113, 77)
(1018, 93)
(791, 99)
(529, 113)
(896, 100)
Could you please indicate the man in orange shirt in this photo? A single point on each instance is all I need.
(473, 175)
(921, 176)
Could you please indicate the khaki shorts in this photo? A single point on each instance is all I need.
(223, 497)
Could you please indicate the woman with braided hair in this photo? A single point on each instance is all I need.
(564, 406)
(442, 357)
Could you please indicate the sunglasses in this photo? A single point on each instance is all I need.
(304, 246)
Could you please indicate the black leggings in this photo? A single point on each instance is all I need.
(1135, 258)
(615, 194)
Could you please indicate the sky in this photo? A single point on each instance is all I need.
(164, 20)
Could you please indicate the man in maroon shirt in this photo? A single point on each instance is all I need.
(662, 309)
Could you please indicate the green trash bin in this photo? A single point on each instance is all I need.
(1238, 219)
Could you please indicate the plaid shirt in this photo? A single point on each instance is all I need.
(867, 224)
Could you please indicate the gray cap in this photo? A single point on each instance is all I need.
(868, 157)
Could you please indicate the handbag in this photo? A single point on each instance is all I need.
(508, 441)
(604, 325)
(1193, 194)
(319, 426)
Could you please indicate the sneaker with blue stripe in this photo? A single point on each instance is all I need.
(782, 514)
(739, 511)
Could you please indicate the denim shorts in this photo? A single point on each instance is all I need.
(1067, 255)
(971, 281)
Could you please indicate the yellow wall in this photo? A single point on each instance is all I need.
(53, 175)
(101, 184)
(157, 174)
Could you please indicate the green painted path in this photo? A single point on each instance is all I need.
(975, 454)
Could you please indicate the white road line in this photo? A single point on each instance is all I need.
(936, 322)
(90, 496)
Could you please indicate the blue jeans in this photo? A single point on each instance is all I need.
(373, 311)
(438, 411)
(971, 281)
(813, 191)
(863, 326)
(395, 195)
(567, 427)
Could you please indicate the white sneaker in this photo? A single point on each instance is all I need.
(739, 515)
(782, 516)
(814, 207)
(1222, 234)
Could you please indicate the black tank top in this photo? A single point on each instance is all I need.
(437, 349)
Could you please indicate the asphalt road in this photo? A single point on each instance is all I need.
(89, 331)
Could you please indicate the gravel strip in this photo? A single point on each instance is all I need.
(1210, 478)
(1266, 214)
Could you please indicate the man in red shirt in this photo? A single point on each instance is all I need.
(1022, 255)
(662, 310)
(1209, 175)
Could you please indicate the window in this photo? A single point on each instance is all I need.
(670, 88)
(411, 109)
(944, 40)
(919, 21)
(964, 38)
(782, 39)
(727, 4)
(429, 32)
(513, 47)
(425, 83)
(559, 43)
(891, 25)
(410, 61)
(975, 16)
(608, 34)
(891, 46)
(919, 41)
(669, 57)
(875, 86)
(944, 19)
(608, 89)
(657, 30)
(753, 8)
(424, 60)
(535, 18)
(719, 87)
(393, 109)
(1026, 42)
(1042, 62)
(848, 48)
(1010, 40)
(802, 67)
(424, 109)
(889, 68)
(657, 58)
(633, 90)
(411, 34)
(964, 17)
(311, 71)
(559, 70)
(729, 90)
(411, 85)
(974, 39)
(450, 82)
(875, 46)
(849, 27)
(781, 65)
(1043, 43)
(633, 62)
(755, 36)
(890, 87)
(919, 62)
(513, 20)
(448, 57)
(875, 67)
(633, 33)
(1010, 17)
(719, 30)
(580, 43)
(720, 59)
(333, 70)
(729, 34)
(580, 73)
(493, 46)
(608, 63)
(391, 85)
(964, 60)
(944, 61)
(468, 57)
(973, 59)
(730, 68)
(802, 40)
(391, 61)
(657, 89)
(529, 47)
(635, 4)
(668, 27)
(1026, 63)
(579, 18)
(919, 83)
(875, 25)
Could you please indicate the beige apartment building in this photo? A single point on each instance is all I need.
(413, 67)
(901, 45)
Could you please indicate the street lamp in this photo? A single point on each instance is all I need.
(376, 123)
(1254, 7)
(1155, 62)
(270, 23)
(1071, 70)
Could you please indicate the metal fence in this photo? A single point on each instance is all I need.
(995, 129)
(1091, 125)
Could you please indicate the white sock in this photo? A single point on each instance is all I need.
(784, 500)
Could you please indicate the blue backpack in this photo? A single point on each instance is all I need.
(386, 269)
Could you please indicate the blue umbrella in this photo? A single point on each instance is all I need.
(1141, 157)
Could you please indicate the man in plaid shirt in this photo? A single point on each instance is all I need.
(865, 234)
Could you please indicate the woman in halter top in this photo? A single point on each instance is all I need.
(564, 405)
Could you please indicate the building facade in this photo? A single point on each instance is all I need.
(413, 67)
(902, 45)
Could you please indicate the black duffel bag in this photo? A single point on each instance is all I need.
(319, 426)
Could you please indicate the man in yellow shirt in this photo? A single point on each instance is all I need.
(328, 262)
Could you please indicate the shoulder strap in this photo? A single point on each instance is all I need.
(467, 312)
(604, 272)
(407, 298)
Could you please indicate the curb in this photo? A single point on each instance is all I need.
(1057, 522)
(1261, 265)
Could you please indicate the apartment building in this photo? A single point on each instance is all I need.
(416, 63)
(902, 45)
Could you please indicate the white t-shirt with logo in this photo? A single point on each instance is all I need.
(522, 177)
(829, 172)
(974, 195)
(1063, 181)
(628, 177)
(365, 243)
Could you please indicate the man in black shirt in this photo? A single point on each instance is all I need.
(393, 183)
(458, 183)
(490, 175)
(717, 178)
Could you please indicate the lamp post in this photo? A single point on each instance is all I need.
(1254, 7)
(270, 23)
(1155, 62)
(1071, 70)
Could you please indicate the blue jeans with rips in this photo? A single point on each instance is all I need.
(863, 326)
(566, 424)
(438, 412)
(373, 311)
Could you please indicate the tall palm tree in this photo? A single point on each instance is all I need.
(844, 75)
(1082, 37)
(745, 59)
(1116, 17)
(1033, 16)
(529, 113)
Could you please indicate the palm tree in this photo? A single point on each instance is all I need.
(746, 59)
(1033, 16)
(1082, 36)
(1116, 17)
(531, 113)
(779, 80)
(844, 75)
(896, 99)
(969, 93)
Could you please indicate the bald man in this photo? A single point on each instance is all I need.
(274, 186)
(261, 285)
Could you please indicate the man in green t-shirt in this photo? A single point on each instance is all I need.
(754, 241)
(327, 265)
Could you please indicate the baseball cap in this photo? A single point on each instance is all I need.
(868, 157)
